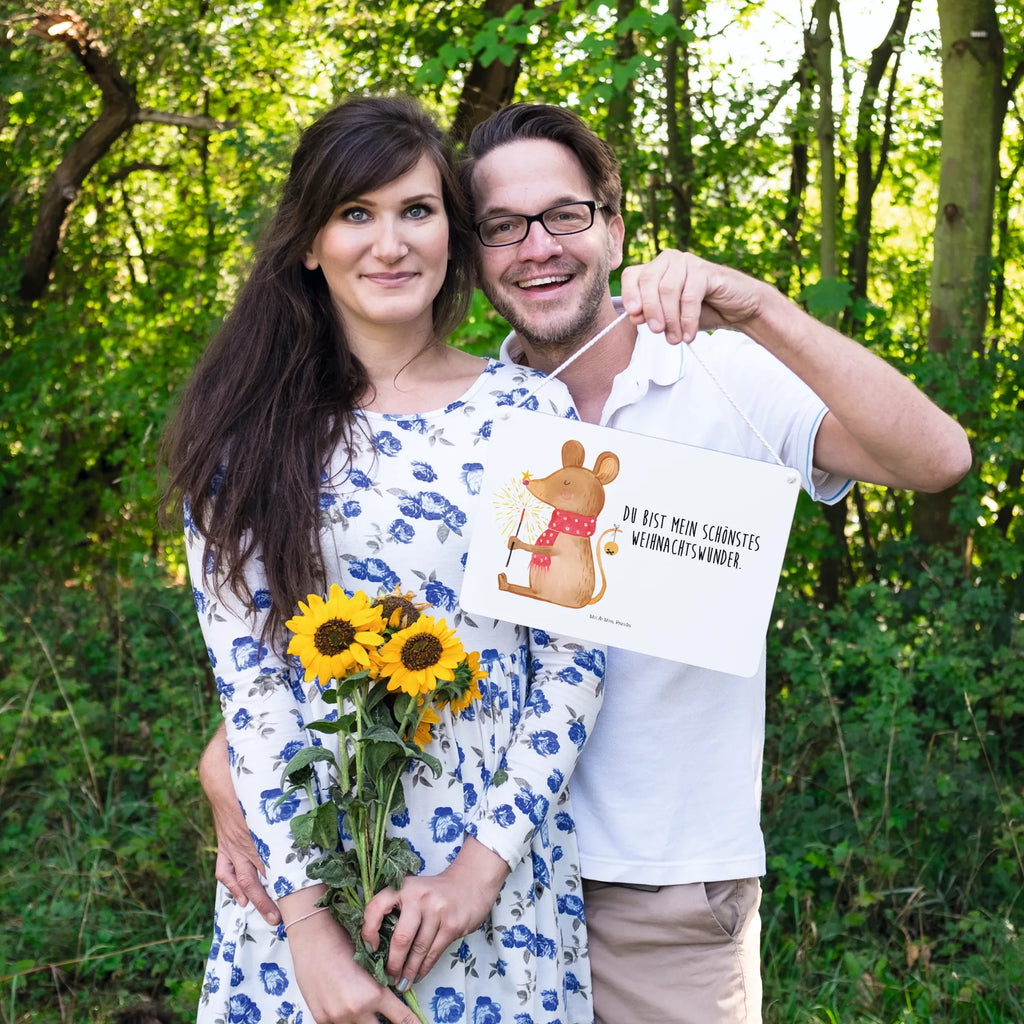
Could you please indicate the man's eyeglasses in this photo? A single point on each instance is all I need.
(565, 219)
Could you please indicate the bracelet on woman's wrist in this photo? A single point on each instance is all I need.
(305, 917)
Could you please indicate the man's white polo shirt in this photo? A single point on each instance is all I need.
(668, 787)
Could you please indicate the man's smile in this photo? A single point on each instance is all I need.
(538, 282)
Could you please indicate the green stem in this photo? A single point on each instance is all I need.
(405, 727)
(381, 824)
(343, 761)
(360, 834)
(412, 711)
(414, 1004)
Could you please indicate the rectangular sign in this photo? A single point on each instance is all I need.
(629, 541)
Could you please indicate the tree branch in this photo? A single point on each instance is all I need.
(119, 112)
(122, 173)
(67, 27)
(116, 117)
(206, 124)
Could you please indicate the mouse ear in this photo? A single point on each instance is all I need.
(606, 468)
(572, 453)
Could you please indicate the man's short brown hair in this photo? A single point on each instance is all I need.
(556, 124)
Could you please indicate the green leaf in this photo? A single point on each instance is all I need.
(398, 861)
(351, 919)
(380, 759)
(330, 726)
(453, 55)
(381, 733)
(827, 298)
(325, 826)
(338, 869)
(502, 53)
(428, 759)
(376, 699)
(348, 686)
(431, 73)
(298, 771)
(372, 963)
(622, 75)
(302, 826)
(398, 802)
(342, 799)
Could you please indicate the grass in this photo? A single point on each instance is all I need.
(892, 807)
(106, 888)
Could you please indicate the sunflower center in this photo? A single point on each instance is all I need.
(391, 603)
(334, 636)
(421, 651)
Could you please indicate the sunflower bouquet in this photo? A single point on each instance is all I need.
(390, 669)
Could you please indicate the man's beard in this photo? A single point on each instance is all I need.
(568, 334)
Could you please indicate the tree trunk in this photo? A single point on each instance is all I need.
(117, 115)
(1004, 203)
(797, 193)
(818, 42)
(620, 108)
(119, 112)
(869, 172)
(972, 111)
(487, 89)
(819, 52)
(679, 134)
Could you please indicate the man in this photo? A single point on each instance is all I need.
(666, 793)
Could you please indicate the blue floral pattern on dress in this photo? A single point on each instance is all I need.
(401, 514)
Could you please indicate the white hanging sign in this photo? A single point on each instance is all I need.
(629, 541)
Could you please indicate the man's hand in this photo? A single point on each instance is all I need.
(435, 910)
(238, 864)
(678, 293)
(880, 427)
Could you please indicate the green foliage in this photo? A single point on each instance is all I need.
(827, 298)
(892, 803)
(895, 707)
(105, 842)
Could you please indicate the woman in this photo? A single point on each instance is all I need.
(329, 435)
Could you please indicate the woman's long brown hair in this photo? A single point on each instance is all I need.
(275, 393)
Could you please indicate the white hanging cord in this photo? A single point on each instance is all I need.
(691, 351)
(742, 415)
(558, 369)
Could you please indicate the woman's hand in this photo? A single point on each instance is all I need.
(238, 865)
(336, 989)
(435, 910)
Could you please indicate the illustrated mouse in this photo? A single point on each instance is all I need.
(562, 566)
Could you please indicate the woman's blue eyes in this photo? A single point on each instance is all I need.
(359, 215)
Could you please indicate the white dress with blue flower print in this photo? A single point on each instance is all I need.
(402, 516)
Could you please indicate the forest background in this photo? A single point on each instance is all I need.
(865, 157)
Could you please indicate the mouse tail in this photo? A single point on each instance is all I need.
(600, 565)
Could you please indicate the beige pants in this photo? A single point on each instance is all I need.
(678, 954)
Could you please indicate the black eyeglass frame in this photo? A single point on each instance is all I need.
(530, 218)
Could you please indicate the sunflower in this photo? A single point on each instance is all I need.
(332, 636)
(399, 608)
(472, 691)
(417, 657)
(423, 734)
